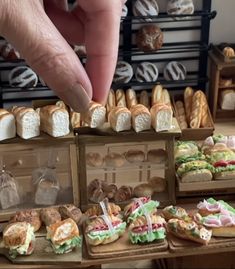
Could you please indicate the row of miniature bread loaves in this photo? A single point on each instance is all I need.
(119, 98)
(27, 122)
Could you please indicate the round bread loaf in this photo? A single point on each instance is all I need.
(143, 190)
(158, 184)
(124, 193)
(124, 11)
(175, 71)
(114, 160)
(149, 38)
(156, 156)
(145, 8)
(180, 7)
(146, 72)
(94, 159)
(133, 156)
(229, 52)
(9, 53)
(23, 77)
(123, 72)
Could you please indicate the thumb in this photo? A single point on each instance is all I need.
(28, 28)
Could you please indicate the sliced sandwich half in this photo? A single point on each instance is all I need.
(64, 236)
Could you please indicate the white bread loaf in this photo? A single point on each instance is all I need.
(54, 120)
(27, 122)
(120, 119)
(141, 118)
(227, 100)
(7, 125)
(161, 115)
(95, 116)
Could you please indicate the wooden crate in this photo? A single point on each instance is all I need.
(218, 50)
(197, 133)
(22, 157)
(119, 142)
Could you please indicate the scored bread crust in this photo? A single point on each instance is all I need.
(196, 114)
(96, 210)
(131, 98)
(15, 236)
(120, 98)
(157, 95)
(52, 229)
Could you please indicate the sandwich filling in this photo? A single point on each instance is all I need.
(194, 166)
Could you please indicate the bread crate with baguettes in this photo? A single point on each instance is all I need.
(193, 114)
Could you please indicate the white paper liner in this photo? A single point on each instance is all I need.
(106, 218)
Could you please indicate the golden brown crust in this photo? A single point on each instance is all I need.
(229, 52)
(94, 159)
(30, 216)
(142, 220)
(166, 97)
(120, 98)
(131, 98)
(196, 115)
(205, 121)
(188, 99)
(111, 101)
(50, 215)
(133, 156)
(144, 99)
(157, 95)
(143, 189)
(96, 210)
(181, 114)
(75, 119)
(124, 193)
(158, 184)
(14, 234)
(114, 160)
(70, 211)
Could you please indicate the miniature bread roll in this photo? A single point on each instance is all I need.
(196, 115)
(94, 159)
(188, 99)
(111, 101)
(158, 184)
(156, 156)
(143, 190)
(141, 118)
(123, 194)
(120, 98)
(144, 99)
(95, 116)
(131, 98)
(229, 52)
(133, 156)
(120, 119)
(114, 160)
(181, 114)
(157, 94)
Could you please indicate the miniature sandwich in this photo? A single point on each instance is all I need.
(189, 230)
(96, 210)
(138, 207)
(195, 171)
(104, 229)
(174, 212)
(19, 238)
(186, 151)
(140, 230)
(64, 236)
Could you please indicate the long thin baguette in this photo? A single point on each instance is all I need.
(188, 99)
(196, 114)
(205, 121)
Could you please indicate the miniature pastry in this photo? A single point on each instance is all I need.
(156, 156)
(30, 216)
(70, 211)
(50, 215)
(145, 8)
(23, 77)
(174, 71)
(229, 52)
(144, 99)
(188, 100)
(146, 72)
(142, 190)
(96, 210)
(7, 125)
(149, 38)
(94, 159)
(180, 7)
(114, 160)
(123, 72)
(95, 116)
(120, 119)
(124, 193)
(175, 212)
(141, 118)
(133, 156)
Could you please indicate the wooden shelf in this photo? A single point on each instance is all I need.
(225, 114)
(227, 87)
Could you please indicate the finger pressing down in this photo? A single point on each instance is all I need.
(27, 27)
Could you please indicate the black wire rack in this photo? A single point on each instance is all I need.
(128, 51)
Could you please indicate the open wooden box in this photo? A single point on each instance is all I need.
(197, 133)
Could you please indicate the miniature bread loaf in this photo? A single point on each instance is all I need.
(27, 122)
(166, 97)
(144, 99)
(229, 52)
(141, 118)
(156, 156)
(124, 193)
(188, 99)
(205, 121)
(143, 190)
(95, 116)
(54, 120)
(157, 94)
(131, 98)
(94, 159)
(7, 125)
(227, 99)
(111, 101)
(120, 119)
(50, 215)
(196, 114)
(114, 160)
(158, 184)
(181, 114)
(120, 98)
(70, 211)
(134, 155)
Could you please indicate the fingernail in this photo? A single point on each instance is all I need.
(78, 98)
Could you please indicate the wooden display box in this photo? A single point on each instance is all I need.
(129, 174)
(218, 49)
(197, 133)
(22, 157)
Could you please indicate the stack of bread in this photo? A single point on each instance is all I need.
(194, 111)
(124, 110)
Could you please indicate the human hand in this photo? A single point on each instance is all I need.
(39, 35)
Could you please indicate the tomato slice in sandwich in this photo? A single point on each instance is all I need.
(232, 162)
(221, 163)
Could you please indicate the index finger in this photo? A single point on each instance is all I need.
(102, 26)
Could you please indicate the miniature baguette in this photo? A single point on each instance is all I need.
(166, 97)
(111, 101)
(120, 98)
(188, 98)
(157, 94)
(144, 99)
(181, 114)
(196, 114)
(131, 98)
(205, 121)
